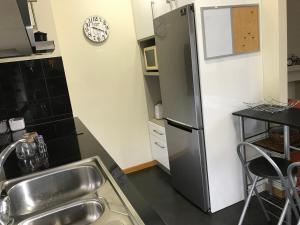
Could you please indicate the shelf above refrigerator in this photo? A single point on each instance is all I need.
(151, 73)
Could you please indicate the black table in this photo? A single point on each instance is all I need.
(288, 118)
(70, 141)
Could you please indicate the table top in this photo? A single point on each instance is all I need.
(290, 117)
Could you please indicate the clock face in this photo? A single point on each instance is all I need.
(96, 29)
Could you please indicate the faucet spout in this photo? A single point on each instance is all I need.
(5, 218)
(5, 153)
(4, 200)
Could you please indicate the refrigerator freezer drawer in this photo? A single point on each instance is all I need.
(160, 151)
(188, 163)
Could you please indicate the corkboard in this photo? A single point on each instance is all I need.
(245, 29)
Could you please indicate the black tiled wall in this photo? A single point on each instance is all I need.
(36, 90)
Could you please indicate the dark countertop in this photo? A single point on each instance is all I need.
(290, 117)
(68, 141)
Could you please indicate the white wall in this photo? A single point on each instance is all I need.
(45, 21)
(105, 81)
(225, 84)
(274, 48)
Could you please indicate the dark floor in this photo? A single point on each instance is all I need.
(155, 185)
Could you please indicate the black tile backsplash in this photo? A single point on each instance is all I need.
(61, 105)
(57, 86)
(36, 90)
(53, 68)
(32, 70)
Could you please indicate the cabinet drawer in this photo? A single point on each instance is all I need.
(157, 131)
(160, 151)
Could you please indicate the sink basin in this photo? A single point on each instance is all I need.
(55, 187)
(79, 193)
(80, 213)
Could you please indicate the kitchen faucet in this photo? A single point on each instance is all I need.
(5, 153)
(4, 200)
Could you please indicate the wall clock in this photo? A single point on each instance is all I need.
(96, 29)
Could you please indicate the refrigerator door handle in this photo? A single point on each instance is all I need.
(179, 125)
(195, 65)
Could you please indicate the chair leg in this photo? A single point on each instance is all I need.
(289, 215)
(285, 208)
(292, 203)
(247, 201)
(259, 198)
(262, 205)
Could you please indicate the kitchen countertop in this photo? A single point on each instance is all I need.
(69, 141)
(290, 117)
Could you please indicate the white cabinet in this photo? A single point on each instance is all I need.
(160, 151)
(184, 2)
(158, 131)
(159, 144)
(161, 7)
(142, 12)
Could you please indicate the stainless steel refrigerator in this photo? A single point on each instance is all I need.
(175, 38)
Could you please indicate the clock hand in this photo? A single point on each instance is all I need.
(96, 28)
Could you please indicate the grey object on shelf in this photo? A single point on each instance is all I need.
(158, 111)
(44, 46)
(16, 124)
(293, 60)
(3, 127)
(40, 36)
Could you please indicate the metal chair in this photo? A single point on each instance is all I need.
(294, 191)
(264, 166)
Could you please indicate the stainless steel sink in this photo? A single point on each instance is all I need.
(79, 193)
(78, 213)
(56, 187)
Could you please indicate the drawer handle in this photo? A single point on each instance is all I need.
(155, 131)
(163, 147)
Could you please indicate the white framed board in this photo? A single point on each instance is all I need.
(230, 30)
(217, 32)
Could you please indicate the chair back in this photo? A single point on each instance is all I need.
(292, 181)
(288, 183)
(245, 146)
